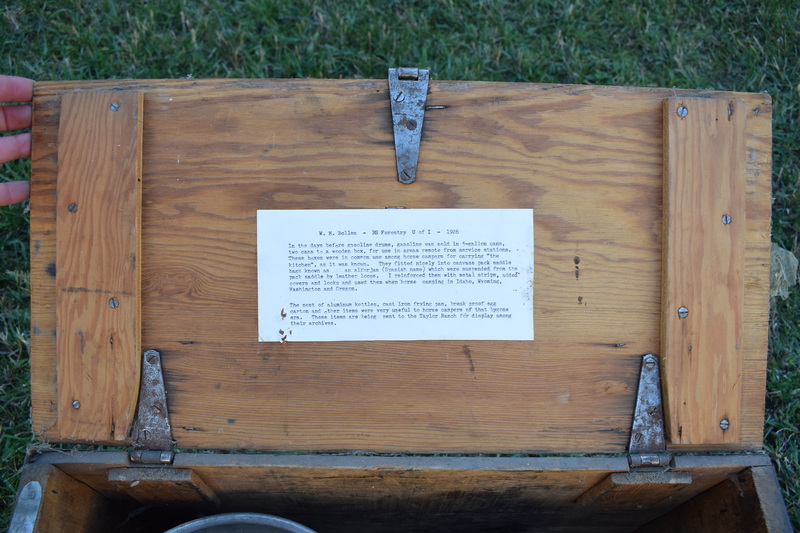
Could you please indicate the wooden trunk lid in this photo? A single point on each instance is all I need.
(143, 236)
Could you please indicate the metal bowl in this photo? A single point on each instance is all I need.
(241, 523)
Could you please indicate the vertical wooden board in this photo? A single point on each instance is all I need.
(703, 268)
(44, 172)
(770, 499)
(97, 264)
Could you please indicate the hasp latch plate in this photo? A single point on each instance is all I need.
(647, 446)
(408, 92)
(151, 430)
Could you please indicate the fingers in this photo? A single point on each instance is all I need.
(13, 192)
(15, 117)
(15, 89)
(15, 147)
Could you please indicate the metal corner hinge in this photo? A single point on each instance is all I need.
(152, 433)
(647, 446)
(408, 92)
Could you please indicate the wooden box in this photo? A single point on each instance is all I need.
(651, 214)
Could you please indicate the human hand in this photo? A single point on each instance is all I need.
(14, 117)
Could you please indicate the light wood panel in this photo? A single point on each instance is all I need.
(705, 220)
(587, 159)
(98, 218)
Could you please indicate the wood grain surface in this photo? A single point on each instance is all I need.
(588, 160)
(400, 494)
(704, 242)
(162, 486)
(68, 504)
(98, 346)
(748, 502)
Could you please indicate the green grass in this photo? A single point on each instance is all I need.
(734, 45)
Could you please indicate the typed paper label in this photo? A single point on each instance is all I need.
(395, 274)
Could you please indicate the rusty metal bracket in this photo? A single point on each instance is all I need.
(151, 429)
(408, 91)
(647, 447)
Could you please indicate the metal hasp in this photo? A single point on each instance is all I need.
(27, 510)
(151, 430)
(647, 447)
(408, 90)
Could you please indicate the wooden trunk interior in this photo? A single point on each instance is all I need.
(102, 491)
(588, 160)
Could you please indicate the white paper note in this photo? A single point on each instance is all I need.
(395, 274)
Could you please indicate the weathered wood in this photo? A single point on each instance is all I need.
(734, 505)
(769, 498)
(401, 494)
(636, 490)
(163, 486)
(67, 504)
(705, 219)
(587, 159)
(98, 343)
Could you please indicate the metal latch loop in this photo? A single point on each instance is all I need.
(408, 92)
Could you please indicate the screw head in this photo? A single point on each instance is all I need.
(114, 106)
(726, 219)
(724, 424)
(682, 111)
(72, 208)
(113, 303)
(76, 404)
(406, 177)
(683, 312)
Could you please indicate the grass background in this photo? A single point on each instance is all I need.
(736, 45)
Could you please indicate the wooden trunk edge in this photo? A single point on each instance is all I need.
(334, 494)
(747, 502)
(55, 87)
